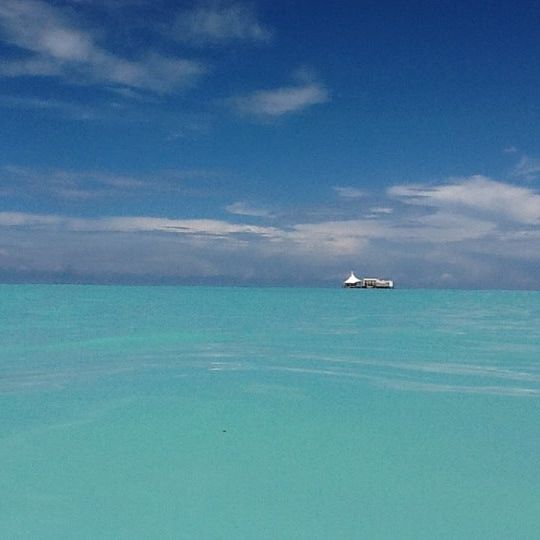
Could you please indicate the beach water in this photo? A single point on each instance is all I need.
(278, 413)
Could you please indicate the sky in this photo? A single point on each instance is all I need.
(270, 142)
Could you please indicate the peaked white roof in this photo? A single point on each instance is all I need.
(352, 279)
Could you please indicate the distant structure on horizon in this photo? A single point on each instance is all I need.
(352, 282)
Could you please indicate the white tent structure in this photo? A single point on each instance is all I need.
(352, 281)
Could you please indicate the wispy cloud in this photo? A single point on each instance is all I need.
(347, 192)
(66, 109)
(242, 208)
(527, 168)
(53, 44)
(65, 184)
(25, 182)
(213, 23)
(277, 102)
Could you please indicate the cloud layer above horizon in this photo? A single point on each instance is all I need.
(459, 233)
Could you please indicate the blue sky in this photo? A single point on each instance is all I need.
(270, 142)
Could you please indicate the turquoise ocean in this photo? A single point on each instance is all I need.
(268, 413)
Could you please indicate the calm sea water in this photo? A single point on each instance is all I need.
(232, 413)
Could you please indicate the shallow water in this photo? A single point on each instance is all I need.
(193, 412)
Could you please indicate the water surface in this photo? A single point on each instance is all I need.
(213, 413)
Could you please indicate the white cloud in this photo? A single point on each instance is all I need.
(468, 232)
(331, 238)
(55, 45)
(133, 224)
(22, 219)
(476, 193)
(281, 101)
(217, 23)
(347, 192)
(433, 228)
(443, 226)
(336, 237)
